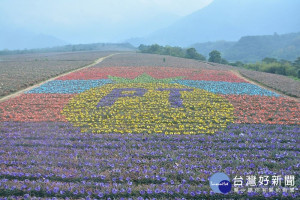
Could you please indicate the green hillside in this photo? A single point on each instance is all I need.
(255, 48)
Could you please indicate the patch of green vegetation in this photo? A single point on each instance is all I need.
(274, 66)
(190, 53)
(144, 78)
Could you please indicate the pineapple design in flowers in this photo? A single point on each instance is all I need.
(148, 105)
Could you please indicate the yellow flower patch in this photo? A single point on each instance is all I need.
(118, 108)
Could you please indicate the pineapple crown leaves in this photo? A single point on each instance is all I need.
(144, 78)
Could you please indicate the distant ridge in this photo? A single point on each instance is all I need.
(76, 47)
(21, 39)
(255, 48)
(230, 20)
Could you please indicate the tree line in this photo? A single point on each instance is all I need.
(171, 51)
(74, 48)
(269, 65)
(214, 56)
(274, 66)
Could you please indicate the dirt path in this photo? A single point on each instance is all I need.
(263, 86)
(53, 78)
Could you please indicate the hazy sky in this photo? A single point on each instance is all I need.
(82, 21)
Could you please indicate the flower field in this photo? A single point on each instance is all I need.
(21, 71)
(147, 132)
(275, 81)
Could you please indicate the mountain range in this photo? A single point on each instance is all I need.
(23, 39)
(255, 48)
(229, 20)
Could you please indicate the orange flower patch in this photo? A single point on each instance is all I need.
(34, 107)
(263, 109)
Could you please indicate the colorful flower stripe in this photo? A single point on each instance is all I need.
(156, 72)
(252, 104)
(262, 109)
(78, 86)
(34, 107)
(228, 88)
(68, 86)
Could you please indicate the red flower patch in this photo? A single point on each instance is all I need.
(34, 107)
(265, 110)
(156, 72)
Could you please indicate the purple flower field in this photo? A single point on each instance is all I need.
(55, 160)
